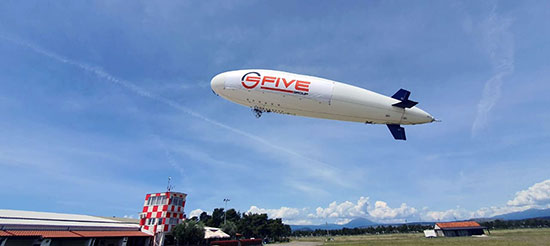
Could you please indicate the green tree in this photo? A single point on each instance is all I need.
(204, 217)
(188, 233)
(230, 228)
(232, 215)
(253, 225)
(217, 218)
(249, 225)
(277, 230)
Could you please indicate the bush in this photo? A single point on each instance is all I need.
(188, 233)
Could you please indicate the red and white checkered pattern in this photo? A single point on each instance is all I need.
(171, 208)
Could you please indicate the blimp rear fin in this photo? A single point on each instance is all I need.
(403, 96)
(397, 131)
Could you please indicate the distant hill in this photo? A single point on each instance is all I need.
(357, 222)
(527, 214)
(363, 222)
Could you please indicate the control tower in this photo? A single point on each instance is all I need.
(161, 212)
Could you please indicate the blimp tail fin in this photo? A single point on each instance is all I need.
(397, 131)
(403, 96)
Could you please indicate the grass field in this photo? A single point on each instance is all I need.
(499, 237)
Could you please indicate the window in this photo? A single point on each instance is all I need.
(174, 221)
(157, 200)
(178, 201)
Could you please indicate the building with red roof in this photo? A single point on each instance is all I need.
(457, 229)
(19, 227)
(160, 214)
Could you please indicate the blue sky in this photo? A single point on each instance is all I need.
(101, 101)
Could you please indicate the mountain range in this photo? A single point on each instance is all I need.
(529, 213)
(357, 222)
(363, 222)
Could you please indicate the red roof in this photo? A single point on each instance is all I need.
(112, 233)
(43, 234)
(4, 234)
(443, 225)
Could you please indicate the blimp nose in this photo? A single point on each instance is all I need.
(217, 83)
(419, 116)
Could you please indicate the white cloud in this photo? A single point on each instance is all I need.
(283, 212)
(298, 222)
(382, 211)
(196, 212)
(342, 221)
(451, 214)
(339, 213)
(537, 195)
(345, 209)
(342, 213)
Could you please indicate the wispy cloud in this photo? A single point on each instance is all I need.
(498, 41)
(320, 169)
(169, 156)
(204, 157)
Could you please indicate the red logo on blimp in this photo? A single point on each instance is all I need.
(252, 79)
(249, 82)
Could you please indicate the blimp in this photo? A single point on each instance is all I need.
(266, 91)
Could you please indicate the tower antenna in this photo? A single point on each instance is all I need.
(170, 186)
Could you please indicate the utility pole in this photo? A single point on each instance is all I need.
(326, 226)
(225, 210)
